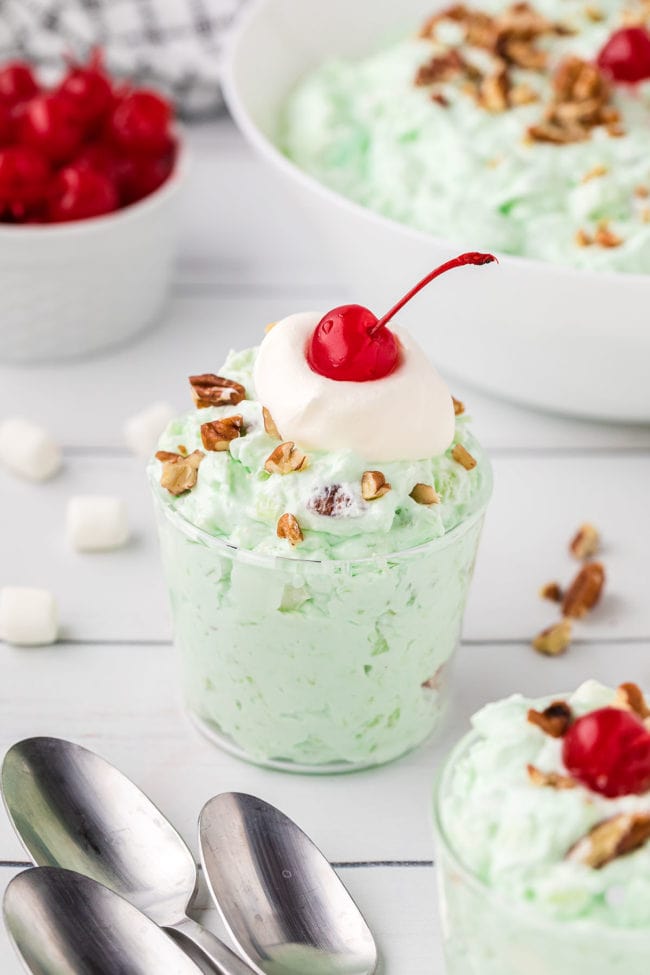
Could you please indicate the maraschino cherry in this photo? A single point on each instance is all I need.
(626, 55)
(608, 750)
(351, 344)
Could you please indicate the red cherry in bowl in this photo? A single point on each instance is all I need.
(88, 91)
(48, 126)
(80, 192)
(608, 750)
(626, 55)
(17, 83)
(24, 175)
(140, 122)
(351, 344)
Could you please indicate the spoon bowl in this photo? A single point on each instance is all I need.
(279, 897)
(72, 809)
(64, 924)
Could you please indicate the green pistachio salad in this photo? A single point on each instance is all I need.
(522, 127)
(543, 815)
(318, 538)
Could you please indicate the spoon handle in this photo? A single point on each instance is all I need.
(225, 961)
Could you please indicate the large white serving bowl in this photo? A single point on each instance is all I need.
(573, 341)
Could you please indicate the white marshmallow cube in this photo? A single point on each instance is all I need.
(96, 523)
(28, 449)
(28, 617)
(142, 431)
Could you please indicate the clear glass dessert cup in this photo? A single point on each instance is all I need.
(316, 666)
(486, 934)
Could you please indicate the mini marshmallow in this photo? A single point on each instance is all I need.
(142, 431)
(27, 449)
(96, 523)
(28, 617)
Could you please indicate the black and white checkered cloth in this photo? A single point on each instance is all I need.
(174, 45)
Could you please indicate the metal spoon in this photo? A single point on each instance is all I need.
(281, 900)
(73, 809)
(64, 924)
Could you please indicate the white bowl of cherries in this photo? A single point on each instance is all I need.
(89, 176)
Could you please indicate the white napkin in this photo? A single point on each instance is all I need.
(175, 45)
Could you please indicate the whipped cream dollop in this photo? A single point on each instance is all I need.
(407, 415)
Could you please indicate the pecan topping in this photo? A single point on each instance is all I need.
(211, 390)
(595, 173)
(218, 434)
(554, 640)
(289, 528)
(332, 501)
(552, 779)
(459, 406)
(441, 67)
(630, 697)
(285, 459)
(179, 473)
(463, 457)
(583, 239)
(580, 102)
(441, 99)
(269, 424)
(605, 236)
(552, 591)
(424, 494)
(373, 485)
(585, 591)
(594, 14)
(555, 720)
(494, 91)
(585, 543)
(522, 95)
(611, 839)
(182, 449)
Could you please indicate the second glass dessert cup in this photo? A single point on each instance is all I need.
(485, 933)
(316, 666)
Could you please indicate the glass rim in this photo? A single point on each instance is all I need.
(270, 560)
(528, 915)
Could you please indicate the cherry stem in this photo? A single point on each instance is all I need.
(461, 261)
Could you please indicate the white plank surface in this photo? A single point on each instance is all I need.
(247, 258)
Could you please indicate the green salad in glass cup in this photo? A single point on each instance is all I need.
(319, 522)
(542, 821)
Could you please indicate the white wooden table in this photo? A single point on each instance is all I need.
(248, 258)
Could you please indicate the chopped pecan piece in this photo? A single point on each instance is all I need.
(555, 639)
(373, 485)
(552, 591)
(182, 449)
(494, 91)
(440, 99)
(179, 472)
(585, 591)
(269, 424)
(332, 501)
(424, 494)
(630, 697)
(611, 839)
(459, 407)
(585, 543)
(289, 528)
(555, 720)
(551, 779)
(583, 239)
(441, 67)
(523, 95)
(594, 173)
(218, 434)
(463, 457)
(580, 102)
(285, 459)
(594, 14)
(605, 236)
(211, 390)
